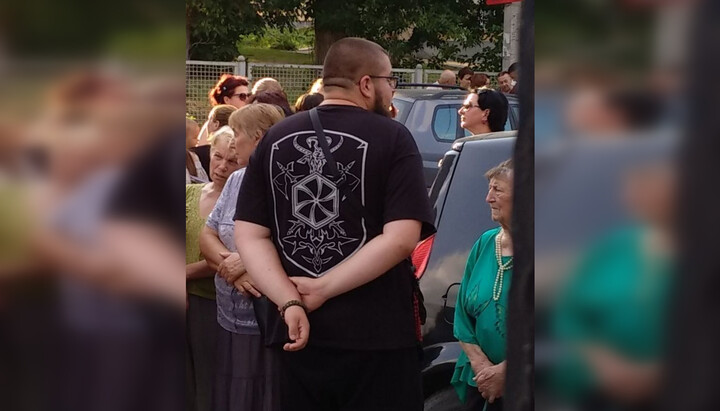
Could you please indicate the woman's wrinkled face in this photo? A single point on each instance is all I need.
(500, 197)
(223, 161)
(649, 193)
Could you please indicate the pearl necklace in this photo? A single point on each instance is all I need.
(497, 287)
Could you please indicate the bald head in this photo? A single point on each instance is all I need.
(447, 78)
(351, 58)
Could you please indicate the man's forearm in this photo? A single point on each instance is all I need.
(263, 265)
(370, 262)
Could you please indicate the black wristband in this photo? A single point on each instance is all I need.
(290, 304)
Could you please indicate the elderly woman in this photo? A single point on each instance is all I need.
(484, 111)
(202, 311)
(481, 309)
(610, 318)
(245, 378)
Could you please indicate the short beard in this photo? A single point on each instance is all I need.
(379, 108)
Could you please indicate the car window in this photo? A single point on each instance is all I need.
(403, 108)
(445, 123)
(513, 117)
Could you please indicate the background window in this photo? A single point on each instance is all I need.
(445, 123)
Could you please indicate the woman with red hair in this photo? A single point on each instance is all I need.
(230, 89)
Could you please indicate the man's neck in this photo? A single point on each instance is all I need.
(343, 100)
(338, 102)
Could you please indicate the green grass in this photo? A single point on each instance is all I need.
(265, 55)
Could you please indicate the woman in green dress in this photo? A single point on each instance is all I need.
(481, 308)
(610, 318)
(202, 310)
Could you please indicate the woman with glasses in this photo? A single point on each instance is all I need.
(484, 111)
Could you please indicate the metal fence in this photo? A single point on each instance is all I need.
(201, 76)
(431, 76)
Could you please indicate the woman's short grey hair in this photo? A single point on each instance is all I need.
(224, 133)
(503, 169)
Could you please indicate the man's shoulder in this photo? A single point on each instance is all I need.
(374, 120)
(297, 121)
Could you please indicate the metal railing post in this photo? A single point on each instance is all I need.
(241, 68)
(418, 75)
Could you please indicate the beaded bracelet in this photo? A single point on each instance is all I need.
(290, 304)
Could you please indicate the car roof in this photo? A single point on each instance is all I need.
(430, 94)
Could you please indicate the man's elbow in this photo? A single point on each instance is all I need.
(245, 233)
(404, 235)
(405, 244)
(408, 245)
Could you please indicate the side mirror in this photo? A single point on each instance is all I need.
(445, 300)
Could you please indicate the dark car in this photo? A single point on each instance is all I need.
(461, 216)
(431, 115)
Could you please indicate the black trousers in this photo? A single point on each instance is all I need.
(322, 379)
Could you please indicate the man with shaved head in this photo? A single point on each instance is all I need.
(447, 78)
(325, 231)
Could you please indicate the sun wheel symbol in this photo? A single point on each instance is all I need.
(315, 200)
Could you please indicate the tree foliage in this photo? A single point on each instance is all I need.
(214, 26)
(404, 27)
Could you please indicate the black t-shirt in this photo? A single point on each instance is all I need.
(287, 187)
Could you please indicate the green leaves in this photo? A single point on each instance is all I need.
(428, 32)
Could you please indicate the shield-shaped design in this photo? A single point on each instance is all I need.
(315, 201)
(313, 227)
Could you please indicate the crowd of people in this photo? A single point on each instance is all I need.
(313, 211)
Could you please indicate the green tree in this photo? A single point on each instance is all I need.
(214, 26)
(403, 27)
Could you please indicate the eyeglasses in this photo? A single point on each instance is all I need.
(392, 80)
(467, 107)
(241, 96)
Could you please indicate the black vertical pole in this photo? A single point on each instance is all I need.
(694, 337)
(520, 322)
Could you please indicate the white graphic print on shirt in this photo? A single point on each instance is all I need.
(315, 239)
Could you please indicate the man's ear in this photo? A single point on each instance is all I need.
(366, 86)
